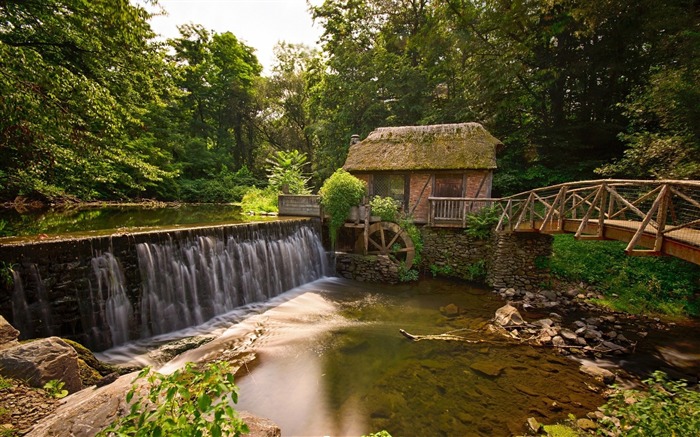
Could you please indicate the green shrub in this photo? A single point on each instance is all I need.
(259, 201)
(339, 194)
(481, 224)
(666, 408)
(436, 270)
(224, 187)
(633, 284)
(477, 271)
(189, 402)
(385, 208)
(407, 275)
(287, 170)
(406, 223)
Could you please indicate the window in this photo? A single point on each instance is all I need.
(389, 185)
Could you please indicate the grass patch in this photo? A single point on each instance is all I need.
(5, 383)
(637, 285)
(260, 200)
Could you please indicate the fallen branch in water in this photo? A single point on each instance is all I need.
(446, 337)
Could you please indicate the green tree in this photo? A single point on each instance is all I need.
(212, 118)
(286, 172)
(73, 99)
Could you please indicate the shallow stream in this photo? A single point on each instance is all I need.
(330, 361)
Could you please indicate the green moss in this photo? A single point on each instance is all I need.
(560, 431)
(455, 146)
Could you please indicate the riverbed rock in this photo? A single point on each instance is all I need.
(508, 315)
(601, 375)
(568, 334)
(8, 334)
(41, 361)
(487, 368)
(545, 323)
(85, 413)
(259, 426)
(551, 295)
(586, 424)
(450, 310)
(557, 341)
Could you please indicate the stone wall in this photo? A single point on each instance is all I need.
(503, 261)
(366, 268)
(455, 253)
(514, 260)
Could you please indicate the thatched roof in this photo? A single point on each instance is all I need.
(439, 147)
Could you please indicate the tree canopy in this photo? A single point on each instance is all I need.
(574, 90)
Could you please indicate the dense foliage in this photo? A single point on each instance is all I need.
(666, 407)
(631, 284)
(386, 208)
(190, 402)
(339, 194)
(286, 172)
(571, 87)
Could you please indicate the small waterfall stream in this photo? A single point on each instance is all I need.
(107, 291)
(187, 283)
(111, 283)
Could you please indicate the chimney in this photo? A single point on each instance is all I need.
(354, 139)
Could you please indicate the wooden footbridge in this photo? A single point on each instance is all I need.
(659, 217)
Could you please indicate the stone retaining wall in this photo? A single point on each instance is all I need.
(366, 268)
(515, 258)
(503, 261)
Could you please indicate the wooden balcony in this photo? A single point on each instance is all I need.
(452, 212)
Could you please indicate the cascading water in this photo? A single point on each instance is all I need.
(107, 291)
(185, 283)
(117, 308)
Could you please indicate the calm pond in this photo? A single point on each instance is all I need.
(89, 220)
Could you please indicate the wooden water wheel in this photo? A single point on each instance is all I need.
(387, 238)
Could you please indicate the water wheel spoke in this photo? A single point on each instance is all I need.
(393, 240)
(375, 244)
(387, 238)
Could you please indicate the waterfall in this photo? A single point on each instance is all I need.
(106, 291)
(187, 282)
(20, 309)
(117, 307)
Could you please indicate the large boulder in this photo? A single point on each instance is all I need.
(8, 334)
(508, 315)
(41, 361)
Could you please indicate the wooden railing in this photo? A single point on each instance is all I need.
(661, 216)
(453, 211)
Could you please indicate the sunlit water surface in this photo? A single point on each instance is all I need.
(331, 361)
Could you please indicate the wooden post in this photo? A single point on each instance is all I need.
(654, 207)
(661, 218)
(601, 219)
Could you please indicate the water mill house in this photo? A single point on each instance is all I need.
(436, 172)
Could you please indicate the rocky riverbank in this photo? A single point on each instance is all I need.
(569, 320)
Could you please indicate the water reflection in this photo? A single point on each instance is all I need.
(87, 219)
(349, 372)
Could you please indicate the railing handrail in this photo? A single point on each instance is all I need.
(597, 182)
